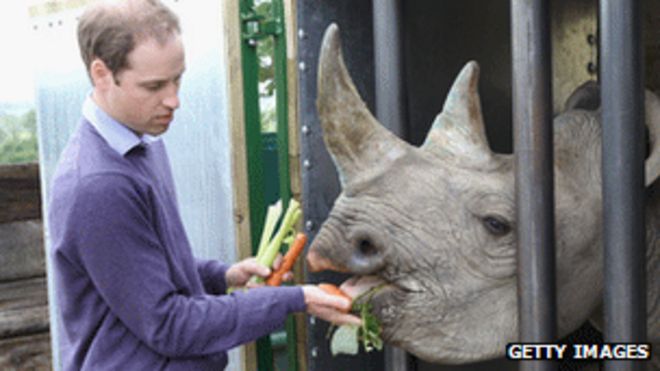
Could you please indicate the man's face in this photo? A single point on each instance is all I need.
(145, 94)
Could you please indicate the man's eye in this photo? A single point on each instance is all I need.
(155, 87)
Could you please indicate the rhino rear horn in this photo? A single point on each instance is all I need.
(652, 113)
(358, 144)
(458, 131)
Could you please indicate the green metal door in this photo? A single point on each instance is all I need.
(263, 49)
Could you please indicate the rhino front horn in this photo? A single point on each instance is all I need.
(458, 131)
(359, 145)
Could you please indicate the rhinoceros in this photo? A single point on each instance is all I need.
(436, 223)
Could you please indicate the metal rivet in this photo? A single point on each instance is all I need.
(307, 164)
(301, 33)
(315, 352)
(591, 39)
(252, 42)
(302, 66)
(309, 225)
(592, 68)
(312, 320)
(305, 129)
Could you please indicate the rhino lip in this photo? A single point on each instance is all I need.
(358, 286)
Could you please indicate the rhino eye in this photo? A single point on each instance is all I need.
(496, 225)
(366, 247)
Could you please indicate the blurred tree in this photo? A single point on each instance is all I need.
(18, 138)
(265, 54)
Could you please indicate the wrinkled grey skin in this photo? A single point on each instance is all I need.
(437, 222)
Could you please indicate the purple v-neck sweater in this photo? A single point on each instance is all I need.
(131, 296)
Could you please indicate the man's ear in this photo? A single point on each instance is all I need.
(101, 75)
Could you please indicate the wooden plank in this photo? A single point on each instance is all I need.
(26, 353)
(23, 294)
(21, 250)
(241, 197)
(23, 308)
(20, 197)
(24, 321)
(295, 171)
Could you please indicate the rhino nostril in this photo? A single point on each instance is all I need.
(366, 247)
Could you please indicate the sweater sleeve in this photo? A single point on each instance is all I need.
(119, 249)
(212, 273)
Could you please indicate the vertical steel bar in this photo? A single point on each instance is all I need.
(533, 147)
(388, 65)
(622, 97)
(390, 102)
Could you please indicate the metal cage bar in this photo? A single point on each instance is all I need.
(389, 93)
(622, 98)
(532, 120)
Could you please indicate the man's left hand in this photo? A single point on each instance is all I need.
(239, 274)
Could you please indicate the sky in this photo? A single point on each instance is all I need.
(16, 71)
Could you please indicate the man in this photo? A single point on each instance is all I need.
(131, 295)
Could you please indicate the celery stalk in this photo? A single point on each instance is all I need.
(272, 216)
(287, 227)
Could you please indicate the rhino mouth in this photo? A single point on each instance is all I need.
(359, 287)
(361, 282)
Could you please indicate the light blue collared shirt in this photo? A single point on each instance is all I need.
(119, 137)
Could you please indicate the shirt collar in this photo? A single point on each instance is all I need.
(119, 137)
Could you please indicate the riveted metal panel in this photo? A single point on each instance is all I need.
(320, 182)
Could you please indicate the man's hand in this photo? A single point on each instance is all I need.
(328, 307)
(239, 274)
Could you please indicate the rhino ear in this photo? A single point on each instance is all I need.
(652, 113)
(358, 144)
(458, 131)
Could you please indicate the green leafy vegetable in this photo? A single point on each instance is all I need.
(346, 338)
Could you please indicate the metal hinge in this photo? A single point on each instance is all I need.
(258, 26)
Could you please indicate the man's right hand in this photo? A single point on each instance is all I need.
(328, 307)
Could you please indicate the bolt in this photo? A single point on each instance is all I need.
(309, 225)
(591, 39)
(302, 34)
(312, 320)
(592, 68)
(307, 164)
(302, 66)
(252, 42)
(315, 352)
(305, 129)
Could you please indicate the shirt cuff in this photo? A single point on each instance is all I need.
(212, 274)
(295, 297)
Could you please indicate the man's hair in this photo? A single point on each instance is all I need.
(111, 30)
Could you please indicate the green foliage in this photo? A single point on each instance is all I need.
(18, 138)
(265, 54)
(346, 339)
(266, 57)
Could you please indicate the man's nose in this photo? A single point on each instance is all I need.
(171, 99)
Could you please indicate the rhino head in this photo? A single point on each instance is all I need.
(434, 225)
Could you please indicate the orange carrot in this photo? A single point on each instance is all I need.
(296, 248)
(331, 289)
